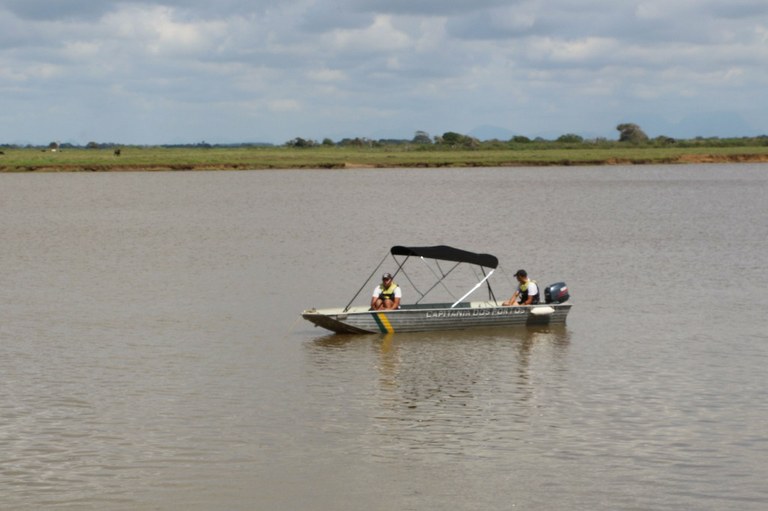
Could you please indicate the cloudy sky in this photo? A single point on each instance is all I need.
(227, 71)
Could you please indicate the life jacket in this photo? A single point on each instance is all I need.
(389, 293)
(524, 292)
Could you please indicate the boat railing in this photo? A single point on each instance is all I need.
(419, 306)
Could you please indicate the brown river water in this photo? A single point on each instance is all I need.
(152, 356)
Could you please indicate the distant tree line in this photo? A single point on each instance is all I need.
(629, 133)
(116, 145)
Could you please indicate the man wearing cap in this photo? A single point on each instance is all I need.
(387, 295)
(527, 292)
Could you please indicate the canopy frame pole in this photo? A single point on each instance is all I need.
(400, 268)
(491, 295)
(365, 283)
(473, 289)
(440, 280)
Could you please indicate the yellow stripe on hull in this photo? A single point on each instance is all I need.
(384, 321)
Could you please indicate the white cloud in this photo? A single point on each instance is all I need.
(575, 51)
(159, 32)
(380, 36)
(284, 105)
(326, 75)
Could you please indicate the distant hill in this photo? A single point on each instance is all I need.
(703, 124)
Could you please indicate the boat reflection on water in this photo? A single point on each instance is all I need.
(547, 333)
(441, 394)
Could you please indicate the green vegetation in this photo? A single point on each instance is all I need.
(450, 150)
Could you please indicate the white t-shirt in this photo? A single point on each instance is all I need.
(377, 291)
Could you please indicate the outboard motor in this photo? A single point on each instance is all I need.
(556, 293)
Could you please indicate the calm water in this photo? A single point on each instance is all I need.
(151, 355)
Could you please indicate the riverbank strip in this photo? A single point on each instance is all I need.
(255, 158)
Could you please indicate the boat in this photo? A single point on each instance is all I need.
(441, 262)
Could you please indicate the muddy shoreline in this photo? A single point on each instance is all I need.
(137, 167)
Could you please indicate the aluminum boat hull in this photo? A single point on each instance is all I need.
(430, 317)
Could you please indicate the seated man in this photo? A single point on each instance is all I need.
(527, 293)
(387, 295)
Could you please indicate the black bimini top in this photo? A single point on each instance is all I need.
(446, 253)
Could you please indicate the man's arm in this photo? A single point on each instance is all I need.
(375, 297)
(512, 300)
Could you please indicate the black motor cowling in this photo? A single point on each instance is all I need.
(556, 293)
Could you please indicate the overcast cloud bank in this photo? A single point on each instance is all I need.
(229, 71)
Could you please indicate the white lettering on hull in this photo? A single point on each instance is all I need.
(507, 311)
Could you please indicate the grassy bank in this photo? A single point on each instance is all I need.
(216, 158)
